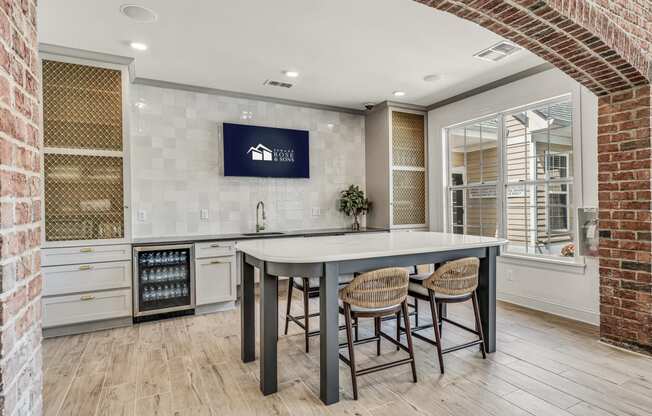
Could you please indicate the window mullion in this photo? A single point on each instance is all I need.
(501, 203)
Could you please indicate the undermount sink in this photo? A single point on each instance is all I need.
(264, 233)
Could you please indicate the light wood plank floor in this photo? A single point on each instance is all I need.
(545, 366)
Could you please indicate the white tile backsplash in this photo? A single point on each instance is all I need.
(176, 165)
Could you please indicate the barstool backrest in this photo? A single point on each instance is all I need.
(455, 278)
(377, 289)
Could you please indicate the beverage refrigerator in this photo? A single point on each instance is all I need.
(164, 279)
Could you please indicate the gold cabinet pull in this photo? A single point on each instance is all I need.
(86, 297)
(86, 250)
(85, 267)
(218, 262)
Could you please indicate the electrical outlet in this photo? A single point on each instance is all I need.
(316, 211)
(510, 275)
(142, 215)
(203, 214)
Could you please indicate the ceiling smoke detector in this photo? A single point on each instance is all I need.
(281, 84)
(497, 52)
(138, 13)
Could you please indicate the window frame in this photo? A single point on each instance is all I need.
(466, 186)
(502, 184)
(566, 157)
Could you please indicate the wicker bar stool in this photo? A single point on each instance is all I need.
(309, 287)
(453, 282)
(376, 294)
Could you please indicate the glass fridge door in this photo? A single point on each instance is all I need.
(164, 280)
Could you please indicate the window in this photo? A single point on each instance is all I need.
(511, 175)
(473, 161)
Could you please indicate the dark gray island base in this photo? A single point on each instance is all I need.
(328, 272)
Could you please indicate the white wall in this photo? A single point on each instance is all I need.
(567, 290)
(177, 168)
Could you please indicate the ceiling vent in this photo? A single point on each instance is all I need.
(497, 52)
(281, 84)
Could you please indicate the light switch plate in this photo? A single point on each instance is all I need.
(316, 212)
(203, 214)
(142, 215)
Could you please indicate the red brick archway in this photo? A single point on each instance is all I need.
(606, 45)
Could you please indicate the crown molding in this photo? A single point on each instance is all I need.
(246, 96)
(492, 85)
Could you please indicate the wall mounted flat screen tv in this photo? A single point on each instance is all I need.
(265, 152)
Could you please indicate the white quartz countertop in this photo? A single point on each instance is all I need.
(360, 246)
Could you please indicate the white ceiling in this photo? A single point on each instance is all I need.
(348, 52)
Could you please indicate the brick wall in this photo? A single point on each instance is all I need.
(624, 166)
(606, 45)
(20, 190)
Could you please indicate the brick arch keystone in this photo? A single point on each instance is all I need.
(605, 45)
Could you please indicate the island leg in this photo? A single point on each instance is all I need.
(329, 379)
(247, 311)
(487, 298)
(268, 331)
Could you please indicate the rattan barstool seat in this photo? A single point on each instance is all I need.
(453, 282)
(376, 294)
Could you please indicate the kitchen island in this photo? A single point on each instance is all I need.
(327, 258)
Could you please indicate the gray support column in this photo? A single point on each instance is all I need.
(487, 297)
(247, 311)
(268, 331)
(329, 389)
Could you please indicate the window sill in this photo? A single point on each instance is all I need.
(576, 267)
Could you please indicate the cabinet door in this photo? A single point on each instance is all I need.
(61, 280)
(86, 307)
(84, 169)
(215, 280)
(408, 177)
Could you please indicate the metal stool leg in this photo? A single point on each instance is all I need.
(289, 305)
(349, 342)
(434, 310)
(306, 312)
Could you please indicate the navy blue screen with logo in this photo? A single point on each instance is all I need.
(265, 152)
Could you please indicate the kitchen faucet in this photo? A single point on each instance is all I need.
(260, 227)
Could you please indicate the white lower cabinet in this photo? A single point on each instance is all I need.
(215, 280)
(86, 254)
(59, 280)
(86, 307)
(86, 284)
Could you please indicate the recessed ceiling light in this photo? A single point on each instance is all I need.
(399, 93)
(291, 74)
(432, 78)
(139, 46)
(138, 13)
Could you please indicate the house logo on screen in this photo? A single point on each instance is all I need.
(260, 152)
(263, 153)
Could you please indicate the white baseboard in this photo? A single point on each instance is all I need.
(214, 307)
(581, 315)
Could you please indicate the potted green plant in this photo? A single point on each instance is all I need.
(353, 203)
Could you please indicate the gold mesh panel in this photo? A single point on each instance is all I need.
(83, 197)
(82, 106)
(409, 188)
(407, 139)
